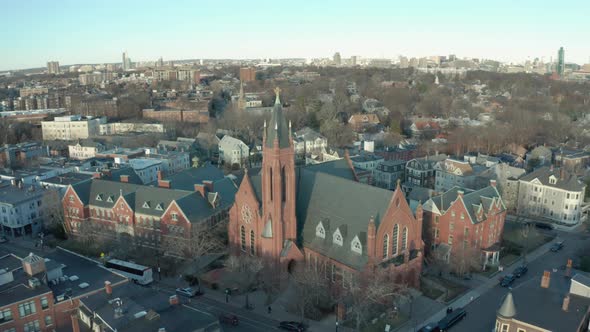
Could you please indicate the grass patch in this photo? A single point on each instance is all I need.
(431, 292)
(453, 289)
(508, 260)
(514, 239)
(489, 271)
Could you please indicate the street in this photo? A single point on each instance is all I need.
(481, 313)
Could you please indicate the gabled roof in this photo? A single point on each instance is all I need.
(472, 200)
(568, 182)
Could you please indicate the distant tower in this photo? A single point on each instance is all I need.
(126, 63)
(560, 62)
(242, 98)
(337, 59)
(160, 62)
(53, 67)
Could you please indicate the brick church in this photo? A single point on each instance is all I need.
(320, 215)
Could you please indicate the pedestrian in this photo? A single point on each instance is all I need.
(269, 310)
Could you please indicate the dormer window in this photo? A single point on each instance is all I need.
(356, 246)
(99, 197)
(337, 238)
(320, 231)
(159, 207)
(552, 179)
(110, 199)
(146, 205)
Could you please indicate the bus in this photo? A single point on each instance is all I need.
(139, 273)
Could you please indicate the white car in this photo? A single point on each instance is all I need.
(187, 292)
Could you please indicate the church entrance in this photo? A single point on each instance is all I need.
(291, 266)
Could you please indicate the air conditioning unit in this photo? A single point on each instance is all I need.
(34, 283)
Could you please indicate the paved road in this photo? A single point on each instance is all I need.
(481, 313)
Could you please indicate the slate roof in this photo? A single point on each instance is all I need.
(150, 200)
(328, 193)
(542, 307)
(473, 200)
(569, 182)
(187, 179)
(277, 127)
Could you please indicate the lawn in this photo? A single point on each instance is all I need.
(379, 325)
(453, 289)
(513, 237)
(431, 292)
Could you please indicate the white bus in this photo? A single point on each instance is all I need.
(141, 274)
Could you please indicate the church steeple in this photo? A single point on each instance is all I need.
(278, 128)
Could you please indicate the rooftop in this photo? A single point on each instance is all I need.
(18, 289)
(14, 195)
(67, 178)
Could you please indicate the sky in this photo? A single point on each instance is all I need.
(33, 32)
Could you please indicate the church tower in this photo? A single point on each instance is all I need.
(278, 183)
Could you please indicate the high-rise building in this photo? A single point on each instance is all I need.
(560, 62)
(337, 59)
(53, 67)
(353, 60)
(126, 64)
(247, 74)
(160, 62)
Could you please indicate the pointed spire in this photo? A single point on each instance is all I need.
(276, 125)
(277, 94)
(508, 309)
(264, 123)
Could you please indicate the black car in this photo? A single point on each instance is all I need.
(430, 328)
(451, 319)
(542, 225)
(508, 280)
(292, 326)
(557, 246)
(520, 271)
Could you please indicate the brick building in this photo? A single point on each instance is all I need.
(247, 74)
(463, 222)
(321, 215)
(156, 216)
(177, 115)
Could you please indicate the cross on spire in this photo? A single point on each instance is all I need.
(277, 93)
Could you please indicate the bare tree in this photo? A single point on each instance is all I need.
(372, 294)
(312, 290)
(465, 258)
(244, 272)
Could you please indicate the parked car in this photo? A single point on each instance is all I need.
(187, 292)
(431, 327)
(229, 319)
(451, 319)
(520, 271)
(556, 246)
(292, 326)
(507, 280)
(542, 225)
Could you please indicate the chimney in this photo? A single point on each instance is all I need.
(96, 175)
(124, 178)
(566, 303)
(209, 185)
(75, 323)
(160, 176)
(568, 270)
(201, 189)
(546, 279)
(174, 300)
(164, 184)
(493, 183)
(108, 287)
(460, 193)
(551, 168)
(562, 173)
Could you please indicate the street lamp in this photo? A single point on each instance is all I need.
(336, 324)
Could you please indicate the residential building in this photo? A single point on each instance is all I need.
(233, 151)
(321, 216)
(361, 122)
(62, 181)
(22, 153)
(41, 293)
(33, 91)
(451, 173)
(427, 129)
(551, 193)
(198, 115)
(53, 68)
(121, 155)
(388, 173)
(542, 154)
(21, 209)
(182, 144)
(71, 127)
(506, 178)
(420, 171)
(364, 166)
(84, 150)
(132, 308)
(307, 140)
(375, 106)
(147, 169)
(159, 216)
(574, 161)
(117, 128)
(549, 303)
(247, 74)
(463, 224)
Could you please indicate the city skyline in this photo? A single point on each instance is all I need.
(101, 32)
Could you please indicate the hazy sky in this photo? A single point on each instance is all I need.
(96, 31)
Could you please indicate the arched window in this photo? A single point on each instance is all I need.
(405, 239)
(252, 243)
(395, 237)
(243, 238)
(283, 184)
(385, 245)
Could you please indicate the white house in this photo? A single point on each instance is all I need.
(308, 140)
(233, 151)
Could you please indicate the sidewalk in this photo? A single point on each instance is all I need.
(257, 299)
(473, 294)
